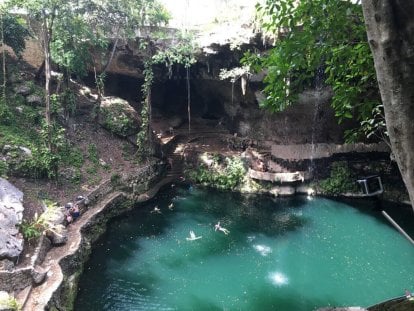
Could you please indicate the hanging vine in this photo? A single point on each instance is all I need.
(181, 53)
(144, 142)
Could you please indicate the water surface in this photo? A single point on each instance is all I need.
(281, 254)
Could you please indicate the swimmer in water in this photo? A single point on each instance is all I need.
(156, 210)
(220, 228)
(193, 236)
(171, 206)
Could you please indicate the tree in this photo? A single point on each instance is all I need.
(112, 21)
(319, 43)
(13, 33)
(390, 29)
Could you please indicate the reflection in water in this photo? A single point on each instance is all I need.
(280, 254)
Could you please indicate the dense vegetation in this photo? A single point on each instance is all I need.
(320, 43)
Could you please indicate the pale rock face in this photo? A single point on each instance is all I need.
(11, 215)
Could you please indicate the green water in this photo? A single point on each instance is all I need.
(281, 254)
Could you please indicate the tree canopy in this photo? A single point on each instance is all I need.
(318, 43)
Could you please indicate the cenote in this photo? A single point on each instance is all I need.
(281, 254)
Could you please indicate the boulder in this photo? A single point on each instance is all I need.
(38, 275)
(22, 89)
(119, 117)
(34, 100)
(58, 235)
(16, 158)
(11, 215)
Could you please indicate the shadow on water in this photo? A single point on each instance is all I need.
(401, 213)
(281, 299)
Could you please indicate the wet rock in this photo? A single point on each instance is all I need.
(34, 100)
(119, 117)
(11, 215)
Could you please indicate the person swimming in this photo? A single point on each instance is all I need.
(156, 210)
(220, 228)
(193, 236)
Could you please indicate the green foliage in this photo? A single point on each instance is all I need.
(45, 160)
(93, 154)
(68, 99)
(10, 303)
(46, 221)
(6, 116)
(340, 180)
(179, 52)
(30, 230)
(318, 41)
(4, 168)
(15, 32)
(143, 137)
(224, 175)
(115, 179)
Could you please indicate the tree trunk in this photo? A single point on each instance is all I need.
(390, 29)
(46, 51)
(3, 94)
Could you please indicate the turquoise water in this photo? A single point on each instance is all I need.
(280, 254)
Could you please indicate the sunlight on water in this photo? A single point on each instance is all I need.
(278, 278)
(280, 254)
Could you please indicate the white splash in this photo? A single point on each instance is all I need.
(262, 249)
(278, 278)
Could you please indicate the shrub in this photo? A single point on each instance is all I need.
(339, 181)
(4, 167)
(9, 303)
(226, 176)
(45, 221)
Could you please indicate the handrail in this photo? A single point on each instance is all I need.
(398, 227)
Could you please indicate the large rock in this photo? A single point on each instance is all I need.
(34, 100)
(11, 215)
(16, 158)
(23, 89)
(119, 117)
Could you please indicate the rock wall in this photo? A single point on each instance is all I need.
(310, 120)
(11, 215)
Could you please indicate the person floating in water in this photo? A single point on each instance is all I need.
(171, 206)
(193, 236)
(220, 228)
(156, 210)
